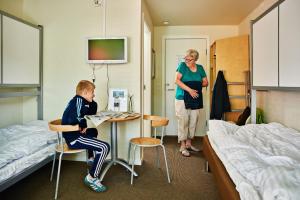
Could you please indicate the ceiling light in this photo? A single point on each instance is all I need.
(166, 22)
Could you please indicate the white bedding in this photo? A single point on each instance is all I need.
(24, 145)
(262, 160)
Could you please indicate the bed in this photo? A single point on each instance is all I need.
(254, 161)
(24, 149)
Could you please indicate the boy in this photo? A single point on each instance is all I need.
(82, 104)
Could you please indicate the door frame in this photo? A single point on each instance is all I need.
(146, 28)
(163, 96)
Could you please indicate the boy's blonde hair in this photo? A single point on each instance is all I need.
(193, 53)
(84, 85)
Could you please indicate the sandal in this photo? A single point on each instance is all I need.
(192, 148)
(185, 153)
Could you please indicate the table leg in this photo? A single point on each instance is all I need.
(124, 164)
(114, 153)
(114, 141)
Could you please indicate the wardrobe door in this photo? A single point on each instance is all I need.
(265, 50)
(289, 43)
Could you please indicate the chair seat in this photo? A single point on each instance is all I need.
(67, 149)
(145, 141)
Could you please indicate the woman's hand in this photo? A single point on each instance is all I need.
(193, 93)
(204, 82)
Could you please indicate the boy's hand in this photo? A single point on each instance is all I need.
(83, 130)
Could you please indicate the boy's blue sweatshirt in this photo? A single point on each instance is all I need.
(74, 114)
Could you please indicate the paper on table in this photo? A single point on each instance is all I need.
(97, 119)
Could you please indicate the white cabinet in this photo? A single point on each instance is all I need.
(265, 50)
(289, 43)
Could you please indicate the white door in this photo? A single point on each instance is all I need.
(175, 49)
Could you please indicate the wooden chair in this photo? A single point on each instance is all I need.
(156, 122)
(61, 147)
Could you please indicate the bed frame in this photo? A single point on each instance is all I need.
(34, 90)
(17, 177)
(224, 183)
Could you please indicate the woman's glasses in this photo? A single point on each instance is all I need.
(188, 59)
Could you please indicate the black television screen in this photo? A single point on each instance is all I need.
(107, 50)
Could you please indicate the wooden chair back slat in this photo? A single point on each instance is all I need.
(156, 121)
(55, 125)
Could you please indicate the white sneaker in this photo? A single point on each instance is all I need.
(94, 184)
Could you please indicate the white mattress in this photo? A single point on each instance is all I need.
(22, 146)
(262, 160)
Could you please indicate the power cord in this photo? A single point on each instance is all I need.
(107, 86)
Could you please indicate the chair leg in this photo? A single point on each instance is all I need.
(128, 155)
(58, 175)
(157, 157)
(164, 150)
(132, 168)
(53, 164)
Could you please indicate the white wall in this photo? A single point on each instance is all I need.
(279, 106)
(66, 25)
(213, 32)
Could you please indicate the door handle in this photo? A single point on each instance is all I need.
(170, 89)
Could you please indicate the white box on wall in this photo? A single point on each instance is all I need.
(118, 100)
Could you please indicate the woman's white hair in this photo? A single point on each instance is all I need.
(193, 53)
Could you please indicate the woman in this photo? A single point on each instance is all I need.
(190, 78)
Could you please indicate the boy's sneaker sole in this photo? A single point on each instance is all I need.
(94, 186)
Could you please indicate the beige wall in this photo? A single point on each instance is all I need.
(147, 16)
(212, 32)
(10, 110)
(66, 25)
(244, 26)
(279, 106)
(14, 7)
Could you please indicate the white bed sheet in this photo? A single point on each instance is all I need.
(19, 165)
(24, 145)
(245, 189)
(262, 160)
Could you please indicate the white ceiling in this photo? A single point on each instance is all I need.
(200, 12)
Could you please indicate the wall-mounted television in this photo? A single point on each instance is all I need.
(107, 50)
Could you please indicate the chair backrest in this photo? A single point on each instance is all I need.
(57, 127)
(156, 122)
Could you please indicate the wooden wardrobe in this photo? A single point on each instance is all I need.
(231, 55)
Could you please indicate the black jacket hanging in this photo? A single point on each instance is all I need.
(220, 99)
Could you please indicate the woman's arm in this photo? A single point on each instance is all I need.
(204, 82)
(193, 93)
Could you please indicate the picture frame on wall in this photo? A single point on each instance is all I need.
(152, 64)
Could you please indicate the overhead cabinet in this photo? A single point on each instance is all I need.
(289, 43)
(265, 50)
(276, 47)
